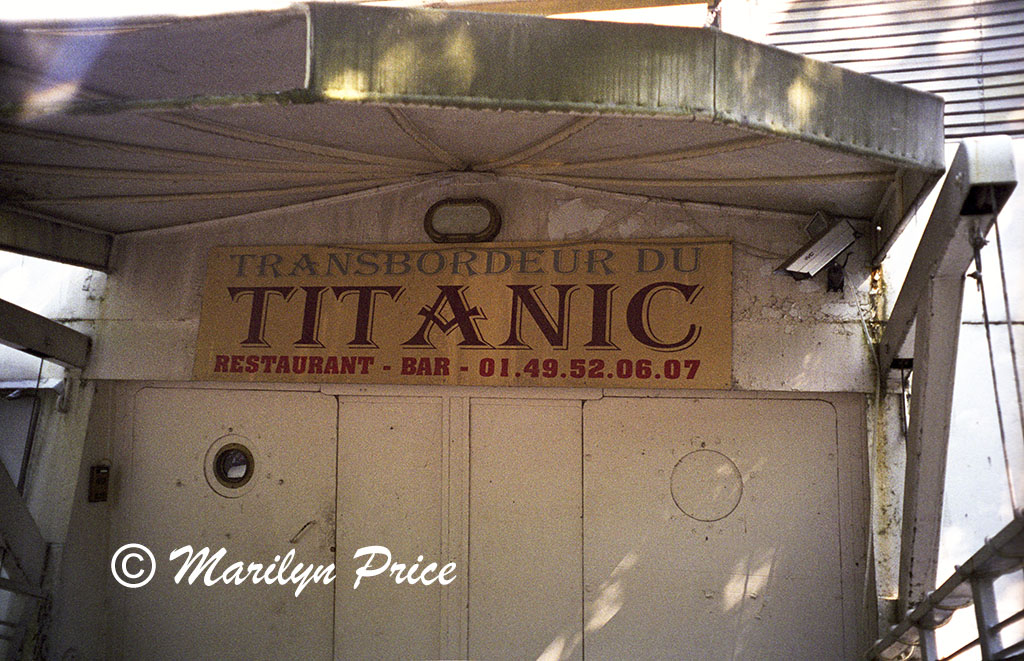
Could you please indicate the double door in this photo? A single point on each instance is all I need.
(605, 528)
(611, 528)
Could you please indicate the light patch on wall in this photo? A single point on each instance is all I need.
(574, 219)
(630, 227)
(553, 652)
(48, 100)
(447, 66)
(609, 600)
(746, 581)
(800, 99)
(399, 62)
(607, 604)
(460, 55)
(680, 229)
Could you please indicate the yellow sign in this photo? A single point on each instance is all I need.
(652, 314)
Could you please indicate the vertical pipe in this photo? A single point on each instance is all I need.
(926, 639)
(985, 611)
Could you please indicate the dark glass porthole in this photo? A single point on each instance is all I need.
(233, 465)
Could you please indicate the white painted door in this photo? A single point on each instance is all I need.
(168, 502)
(391, 454)
(493, 486)
(692, 528)
(525, 529)
(712, 530)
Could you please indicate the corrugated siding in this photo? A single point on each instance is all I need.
(971, 52)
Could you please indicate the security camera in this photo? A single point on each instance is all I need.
(829, 238)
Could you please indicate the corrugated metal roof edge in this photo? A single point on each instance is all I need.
(612, 68)
(865, 128)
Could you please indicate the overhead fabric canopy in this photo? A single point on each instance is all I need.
(142, 124)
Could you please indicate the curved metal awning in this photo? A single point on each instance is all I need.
(143, 124)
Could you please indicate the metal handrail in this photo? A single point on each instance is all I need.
(1000, 555)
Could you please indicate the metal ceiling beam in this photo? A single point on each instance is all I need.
(980, 179)
(924, 482)
(908, 190)
(29, 233)
(999, 555)
(32, 333)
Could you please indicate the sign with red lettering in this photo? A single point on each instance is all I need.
(652, 314)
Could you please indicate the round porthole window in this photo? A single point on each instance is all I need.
(230, 465)
(233, 465)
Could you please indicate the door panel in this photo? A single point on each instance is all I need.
(525, 529)
(712, 529)
(390, 456)
(169, 503)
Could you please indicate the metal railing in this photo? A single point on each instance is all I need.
(971, 583)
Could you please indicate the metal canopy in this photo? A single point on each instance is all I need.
(153, 123)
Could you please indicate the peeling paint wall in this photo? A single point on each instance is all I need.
(788, 335)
